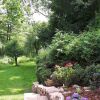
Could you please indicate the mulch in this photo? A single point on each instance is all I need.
(90, 94)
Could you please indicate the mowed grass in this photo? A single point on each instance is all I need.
(12, 97)
(16, 80)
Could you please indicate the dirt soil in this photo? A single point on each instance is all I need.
(90, 94)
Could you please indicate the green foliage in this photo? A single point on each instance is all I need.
(95, 82)
(43, 73)
(10, 19)
(84, 48)
(6, 60)
(24, 59)
(95, 24)
(54, 53)
(61, 75)
(42, 55)
(38, 38)
(32, 44)
(83, 76)
(44, 34)
(13, 50)
(14, 12)
(77, 77)
(57, 51)
(72, 15)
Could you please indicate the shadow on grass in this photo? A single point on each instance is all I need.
(15, 80)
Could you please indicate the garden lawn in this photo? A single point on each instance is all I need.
(16, 80)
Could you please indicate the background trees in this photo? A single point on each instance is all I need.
(66, 16)
(72, 15)
(39, 37)
(13, 15)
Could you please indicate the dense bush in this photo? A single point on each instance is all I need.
(43, 74)
(6, 60)
(83, 48)
(95, 82)
(95, 79)
(83, 76)
(24, 59)
(56, 53)
(61, 75)
(69, 75)
(77, 76)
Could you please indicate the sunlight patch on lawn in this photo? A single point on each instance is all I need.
(1, 90)
(15, 90)
(15, 77)
(12, 97)
(2, 71)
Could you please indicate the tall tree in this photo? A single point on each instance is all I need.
(72, 15)
(14, 50)
(13, 15)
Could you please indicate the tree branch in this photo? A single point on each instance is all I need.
(40, 13)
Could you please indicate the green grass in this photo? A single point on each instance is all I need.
(12, 97)
(16, 80)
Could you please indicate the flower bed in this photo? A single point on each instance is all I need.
(87, 93)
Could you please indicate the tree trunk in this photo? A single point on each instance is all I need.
(36, 46)
(16, 61)
(36, 51)
(9, 29)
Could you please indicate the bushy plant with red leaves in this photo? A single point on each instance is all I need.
(69, 63)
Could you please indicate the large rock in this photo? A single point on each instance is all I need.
(33, 96)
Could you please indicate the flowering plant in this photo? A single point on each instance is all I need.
(61, 75)
(76, 96)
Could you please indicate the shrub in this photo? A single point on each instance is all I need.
(83, 48)
(42, 55)
(83, 76)
(57, 52)
(77, 77)
(43, 74)
(61, 75)
(95, 79)
(6, 60)
(23, 59)
(95, 83)
(88, 73)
